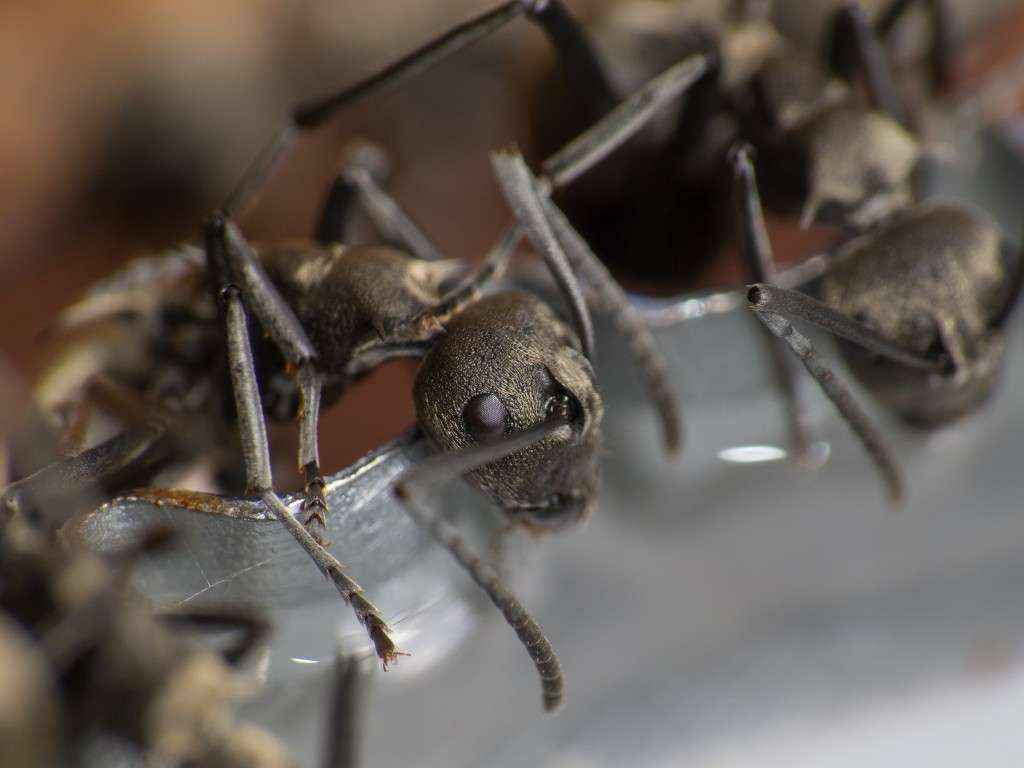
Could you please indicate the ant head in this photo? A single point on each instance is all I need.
(938, 280)
(507, 364)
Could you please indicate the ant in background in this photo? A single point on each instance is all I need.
(920, 305)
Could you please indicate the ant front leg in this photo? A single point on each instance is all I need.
(231, 257)
(131, 456)
(253, 629)
(412, 489)
(346, 713)
(256, 455)
(314, 505)
(756, 249)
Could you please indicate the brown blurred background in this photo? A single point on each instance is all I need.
(126, 122)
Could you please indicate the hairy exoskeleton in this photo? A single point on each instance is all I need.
(505, 392)
(919, 304)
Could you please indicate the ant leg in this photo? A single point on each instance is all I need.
(314, 505)
(756, 249)
(72, 434)
(941, 49)
(254, 629)
(489, 271)
(412, 487)
(755, 245)
(794, 305)
(235, 263)
(362, 173)
(581, 66)
(562, 29)
(256, 454)
(609, 296)
(855, 47)
(517, 184)
(276, 317)
(345, 713)
(336, 214)
(840, 396)
(63, 480)
(622, 122)
(141, 448)
(667, 313)
(576, 157)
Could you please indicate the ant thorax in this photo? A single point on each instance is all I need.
(354, 300)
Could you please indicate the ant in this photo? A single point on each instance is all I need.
(505, 391)
(86, 652)
(925, 287)
(920, 305)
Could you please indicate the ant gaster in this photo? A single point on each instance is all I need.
(506, 390)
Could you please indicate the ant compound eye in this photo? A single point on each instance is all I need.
(563, 407)
(486, 417)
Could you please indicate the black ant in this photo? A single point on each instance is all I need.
(506, 391)
(919, 303)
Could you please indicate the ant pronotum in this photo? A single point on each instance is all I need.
(506, 390)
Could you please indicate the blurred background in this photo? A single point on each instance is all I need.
(125, 123)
